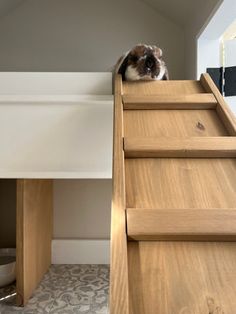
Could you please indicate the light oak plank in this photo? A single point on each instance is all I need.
(34, 234)
(119, 297)
(162, 183)
(175, 87)
(181, 224)
(20, 282)
(182, 277)
(185, 101)
(173, 123)
(222, 108)
(174, 277)
(191, 147)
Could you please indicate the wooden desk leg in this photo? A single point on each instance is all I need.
(33, 234)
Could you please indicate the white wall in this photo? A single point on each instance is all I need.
(230, 60)
(79, 35)
(208, 55)
(198, 22)
(221, 26)
(209, 46)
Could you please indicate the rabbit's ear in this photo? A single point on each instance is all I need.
(157, 51)
(123, 66)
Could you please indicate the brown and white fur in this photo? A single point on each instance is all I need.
(143, 62)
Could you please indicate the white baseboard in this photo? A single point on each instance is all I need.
(76, 251)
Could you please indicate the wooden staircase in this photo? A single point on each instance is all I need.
(173, 234)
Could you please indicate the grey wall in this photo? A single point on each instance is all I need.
(82, 208)
(79, 35)
(7, 213)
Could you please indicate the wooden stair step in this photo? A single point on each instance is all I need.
(181, 224)
(171, 147)
(188, 101)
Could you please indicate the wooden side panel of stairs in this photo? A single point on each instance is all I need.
(173, 234)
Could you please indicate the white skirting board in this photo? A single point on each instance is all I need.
(76, 251)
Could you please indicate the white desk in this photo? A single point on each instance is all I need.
(52, 125)
(56, 125)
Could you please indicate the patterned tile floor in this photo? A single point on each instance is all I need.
(66, 289)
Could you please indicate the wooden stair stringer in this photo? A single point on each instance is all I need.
(173, 242)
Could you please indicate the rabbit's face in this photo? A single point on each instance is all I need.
(143, 62)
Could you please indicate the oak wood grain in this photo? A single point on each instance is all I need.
(119, 292)
(164, 183)
(222, 107)
(181, 224)
(192, 147)
(174, 277)
(34, 234)
(173, 123)
(20, 282)
(182, 277)
(175, 87)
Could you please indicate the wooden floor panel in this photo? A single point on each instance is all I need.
(180, 183)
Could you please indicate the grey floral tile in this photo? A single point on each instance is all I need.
(40, 302)
(66, 289)
(87, 293)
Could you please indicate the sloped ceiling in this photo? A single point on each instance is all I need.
(7, 5)
(179, 11)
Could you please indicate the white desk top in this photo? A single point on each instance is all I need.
(56, 135)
